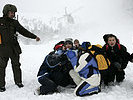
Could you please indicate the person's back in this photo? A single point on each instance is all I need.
(85, 73)
(54, 70)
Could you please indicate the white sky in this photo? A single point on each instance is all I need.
(100, 16)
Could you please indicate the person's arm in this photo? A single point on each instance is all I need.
(43, 68)
(25, 32)
(131, 58)
(125, 56)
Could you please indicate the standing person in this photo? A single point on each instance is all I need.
(9, 46)
(118, 56)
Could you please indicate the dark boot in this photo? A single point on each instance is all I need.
(2, 89)
(20, 85)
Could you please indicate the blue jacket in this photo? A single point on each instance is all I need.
(54, 61)
(85, 65)
(72, 57)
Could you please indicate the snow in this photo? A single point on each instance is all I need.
(92, 20)
(31, 60)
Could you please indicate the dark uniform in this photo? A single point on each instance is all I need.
(9, 47)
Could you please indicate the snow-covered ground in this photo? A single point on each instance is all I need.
(31, 60)
(93, 19)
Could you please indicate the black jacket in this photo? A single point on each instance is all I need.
(8, 29)
(117, 54)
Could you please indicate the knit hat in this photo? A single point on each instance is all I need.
(68, 42)
(58, 46)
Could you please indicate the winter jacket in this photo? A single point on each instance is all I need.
(54, 61)
(86, 66)
(72, 57)
(56, 68)
(9, 44)
(117, 54)
(131, 57)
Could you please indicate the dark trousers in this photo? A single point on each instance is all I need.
(105, 76)
(47, 85)
(119, 75)
(50, 82)
(15, 67)
(60, 78)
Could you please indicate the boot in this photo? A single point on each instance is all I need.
(2, 89)
(20, 85)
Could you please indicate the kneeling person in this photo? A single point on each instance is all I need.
(85, 74)
(53, 73)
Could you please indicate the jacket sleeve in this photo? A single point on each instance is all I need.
(131, 57)
(23, 31)
(125, 56)
(104, 49)
(43, 69)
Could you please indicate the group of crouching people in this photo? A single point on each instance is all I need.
(85, 66)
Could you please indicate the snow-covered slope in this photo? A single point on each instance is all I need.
(32, 58)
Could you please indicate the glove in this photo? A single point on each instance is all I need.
(131, 60)
(37, 39)
(117, 65)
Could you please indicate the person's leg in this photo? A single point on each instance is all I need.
(120, 76)
(85, 88)
(47, 85)
(16, 69)
(3, 64)
(111, 73)
(107, 76)
(60, 78)
(75, 76)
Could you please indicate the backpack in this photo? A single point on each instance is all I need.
(53, 60)
(96, 52)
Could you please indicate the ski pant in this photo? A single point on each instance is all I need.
(15, 67)
(60, 78)
(106, 76)
(47, 85)
(117, 74)
(50, 82)
(85, 87)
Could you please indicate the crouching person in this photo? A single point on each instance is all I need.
(44, 78)
(53, 73)
(85, 74)
(118, 56)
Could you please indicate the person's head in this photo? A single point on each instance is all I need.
(110, 39)
(85, 45)
(57, 47)
(9, 11)
(68, 44)
(76, 43)
(69, 39)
